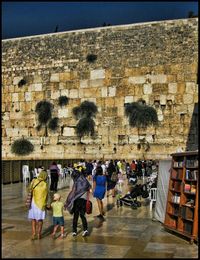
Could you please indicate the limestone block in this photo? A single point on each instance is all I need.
(23, 131)
(188, 99)
(96, 83)
(94, 92)
(137, 80)
(181, 109)
(55, 94)
(163, 99)
(68, 131)
(18, 115)
(181, 88)
(110, 102)
(190, 109)
(138, 91)
(15, 97)
(128, 99)
(159, 78)
(97, 74)
(64, 92)
(147, 88)
(21, 96)
(64, 112)
(28, 96)
(196, 99)
(54, 77)
(37, 79)
(146, 98)
(73, 93)
(104, 91)
(84, 83)
(171, 78)
(39, 95)
(133, 139)
(112, 91)
(13, 132)
(62, 85)
(37, 86)
(172, 88)
(16, 80)
(190, 88)
(64, 76)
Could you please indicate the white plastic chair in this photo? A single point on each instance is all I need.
(26, 173)
(152, 196)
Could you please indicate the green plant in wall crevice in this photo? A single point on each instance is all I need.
(63, 100)
(22, 147)
(141, 115)
(44, 111)
(85, 113)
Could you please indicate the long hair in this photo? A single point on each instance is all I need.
(99, 170)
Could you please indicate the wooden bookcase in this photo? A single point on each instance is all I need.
(182, 202)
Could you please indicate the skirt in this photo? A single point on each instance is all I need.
(36, 213)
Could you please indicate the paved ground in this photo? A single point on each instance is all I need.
(126, 233)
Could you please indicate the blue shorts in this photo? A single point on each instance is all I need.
(58, 221)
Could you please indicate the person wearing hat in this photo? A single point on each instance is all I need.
(37, 211)
(58, 216)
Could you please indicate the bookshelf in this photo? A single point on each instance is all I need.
(181, 214)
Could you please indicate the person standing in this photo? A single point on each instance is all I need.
(54, 173)
(58, 217)
(37, 212)
(76, 201)
(99, 189)
(111, 184)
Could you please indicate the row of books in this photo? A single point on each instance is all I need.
(190, 188)
(178, 164)
(191, 174)
(192, 163)
(176, 198)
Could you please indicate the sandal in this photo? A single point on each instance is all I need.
(33, 237)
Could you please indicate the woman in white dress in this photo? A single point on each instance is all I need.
(37, 212)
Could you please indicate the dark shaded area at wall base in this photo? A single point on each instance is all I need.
(193, 140)
(12, 170)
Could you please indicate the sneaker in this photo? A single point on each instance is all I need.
(74, 234)
(85, 233)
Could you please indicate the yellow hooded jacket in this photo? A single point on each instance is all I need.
(40, 192)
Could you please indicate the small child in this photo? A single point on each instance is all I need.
(58, 217)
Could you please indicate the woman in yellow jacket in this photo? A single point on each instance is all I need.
(37, 212)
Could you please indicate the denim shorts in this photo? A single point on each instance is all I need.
(58, 221)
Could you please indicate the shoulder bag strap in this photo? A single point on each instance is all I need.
(36, 185)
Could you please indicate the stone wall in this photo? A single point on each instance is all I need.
(155, 61)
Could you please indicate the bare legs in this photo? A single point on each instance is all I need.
(34, 226)
(100, 206)
(55, 229)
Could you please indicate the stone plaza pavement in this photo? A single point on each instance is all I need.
(125, 233)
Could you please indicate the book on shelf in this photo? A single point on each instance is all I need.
(192, 163)
(193, 189)
(178, 164)
(191, 175)
(187, 187)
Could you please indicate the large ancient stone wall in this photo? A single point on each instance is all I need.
(155, 61)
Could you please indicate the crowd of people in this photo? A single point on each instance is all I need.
(96, 178)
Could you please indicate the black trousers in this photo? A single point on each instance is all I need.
(79, 209)
(54, 181)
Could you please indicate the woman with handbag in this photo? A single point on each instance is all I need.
(99, 189)
(37, 211)
(76, 200)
